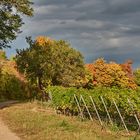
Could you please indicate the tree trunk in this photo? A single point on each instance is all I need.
(45, 95)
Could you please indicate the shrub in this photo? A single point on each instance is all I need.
(9, 87)
(12, 88)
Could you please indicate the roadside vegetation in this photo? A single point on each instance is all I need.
(13, 85)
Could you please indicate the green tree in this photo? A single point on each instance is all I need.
(10, 19)
(48, 61)
(137, 76)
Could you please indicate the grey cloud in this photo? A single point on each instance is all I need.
(97, 28)
(69, 3)
(119, 7)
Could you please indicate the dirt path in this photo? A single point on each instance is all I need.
(5, 133)
(7, 104)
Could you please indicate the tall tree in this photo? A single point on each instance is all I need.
(10, 19)
(48, 61)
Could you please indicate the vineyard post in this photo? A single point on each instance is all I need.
(81, 114)
(120, 115)
(134, 113)
(86, 108)
(106, 110)
(96, 110)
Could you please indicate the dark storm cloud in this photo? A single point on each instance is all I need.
(97, 28)
(57, 2)
(120, 7)
(107, 9)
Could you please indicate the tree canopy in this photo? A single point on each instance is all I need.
(48, 61)
(111, 74)
(11, 21)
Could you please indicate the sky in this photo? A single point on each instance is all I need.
(97, 28)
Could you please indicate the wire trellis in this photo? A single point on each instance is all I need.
(99, 117)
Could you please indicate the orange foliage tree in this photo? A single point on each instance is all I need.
(127, 68)
(111, 74)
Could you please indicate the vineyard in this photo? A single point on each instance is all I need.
(120, 107)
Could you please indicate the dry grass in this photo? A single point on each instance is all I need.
(30, 122)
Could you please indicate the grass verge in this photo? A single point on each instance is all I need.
(31, 122)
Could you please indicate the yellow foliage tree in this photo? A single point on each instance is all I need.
(109, 74)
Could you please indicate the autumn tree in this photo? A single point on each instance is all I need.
(10, 19)
(48, 61)
(127, 68)
(111, 74)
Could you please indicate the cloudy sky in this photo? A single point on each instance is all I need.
(97, 28)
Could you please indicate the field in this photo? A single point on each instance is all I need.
(32, 121)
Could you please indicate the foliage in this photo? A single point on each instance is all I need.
(11, 21)
(111, 74)
(2, 55)
(63, 98)
(90, 72)
(88, 80)
(137, 76)
(48, 61)
(12, 83)
(11, 87)
(127, 68)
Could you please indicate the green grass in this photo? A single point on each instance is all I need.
(31, 122)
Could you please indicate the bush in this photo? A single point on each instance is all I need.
(12, 88)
